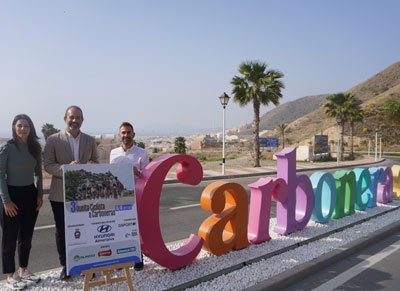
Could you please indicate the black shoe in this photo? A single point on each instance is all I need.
(138, 266)
(63, 274)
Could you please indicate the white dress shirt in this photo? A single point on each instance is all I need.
(74, 143)
(135, 156)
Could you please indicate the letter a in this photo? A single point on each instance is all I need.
(227, 229)
(396, 181)
(384, 192)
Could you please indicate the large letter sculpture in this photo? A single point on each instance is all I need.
(396, 181)
(363, 181)
(324, 196)
(148, 191)
(372, 191)
(262, 193)
(345, 193)
(384, 192)
(296, 211)
(227, 229)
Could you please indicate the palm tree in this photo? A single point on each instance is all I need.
(281, 129)
(180, 145)
(338, 107)
(356, 114)
(259, 86)
(48, 129)
(392, 109)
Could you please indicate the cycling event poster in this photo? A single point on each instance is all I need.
(101, 226)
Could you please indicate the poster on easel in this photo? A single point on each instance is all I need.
(101, 226)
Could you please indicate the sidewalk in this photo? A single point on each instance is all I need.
(237, 172)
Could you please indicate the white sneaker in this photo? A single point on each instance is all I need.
(28, 277)
(15, 282)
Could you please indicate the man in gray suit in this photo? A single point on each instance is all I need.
(70, 146)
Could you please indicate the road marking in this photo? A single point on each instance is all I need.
(357, 269)
(45, 226)
(186, 206)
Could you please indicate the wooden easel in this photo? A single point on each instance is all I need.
(107, 272)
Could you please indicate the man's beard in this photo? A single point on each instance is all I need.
(127, 141)
(73, 126)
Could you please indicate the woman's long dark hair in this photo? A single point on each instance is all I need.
(32, 142)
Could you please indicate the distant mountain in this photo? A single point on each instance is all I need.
(285, 113)
(306, 116)
(372, 92)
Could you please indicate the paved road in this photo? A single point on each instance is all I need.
(373, 268)
(180, 215)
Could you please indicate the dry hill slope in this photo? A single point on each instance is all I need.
(286, 113)
(378, 84)
(375, 90)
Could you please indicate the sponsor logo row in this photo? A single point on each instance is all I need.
(105, 228)
(105, 253)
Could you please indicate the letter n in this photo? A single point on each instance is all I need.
(345, 193)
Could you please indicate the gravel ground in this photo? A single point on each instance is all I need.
(155, 277)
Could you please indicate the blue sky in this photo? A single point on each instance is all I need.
(162, 64)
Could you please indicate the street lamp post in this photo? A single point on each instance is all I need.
(224, 98)
(376, 143)
(369, 146)
(339, 121)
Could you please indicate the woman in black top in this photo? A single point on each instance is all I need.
(20, 161)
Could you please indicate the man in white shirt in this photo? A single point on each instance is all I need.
(128, 153)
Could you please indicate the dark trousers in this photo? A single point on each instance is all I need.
(58, 213)
(18, 228)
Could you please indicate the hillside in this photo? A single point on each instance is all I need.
(372, 92)
(285, 113)
(378, 84)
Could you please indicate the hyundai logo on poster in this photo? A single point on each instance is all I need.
(104, 228)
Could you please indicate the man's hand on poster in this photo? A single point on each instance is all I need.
(136, 171)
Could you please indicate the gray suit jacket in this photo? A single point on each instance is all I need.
(57, 152)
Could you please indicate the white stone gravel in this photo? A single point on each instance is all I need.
(155, 277)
